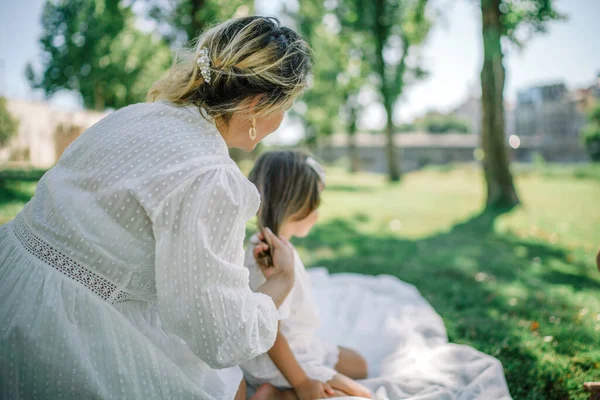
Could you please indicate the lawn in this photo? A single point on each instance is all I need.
(521, 286)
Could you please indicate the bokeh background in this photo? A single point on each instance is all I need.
(461, 139)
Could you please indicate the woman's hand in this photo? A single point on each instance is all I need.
(312, 389)
(282, 254)
(280, 275)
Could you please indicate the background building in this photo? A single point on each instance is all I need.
(44, 132)
(470, 110)
(554, 116)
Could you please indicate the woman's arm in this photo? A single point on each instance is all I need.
(202, 288)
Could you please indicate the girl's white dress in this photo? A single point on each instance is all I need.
(299, 323)
(123, 277)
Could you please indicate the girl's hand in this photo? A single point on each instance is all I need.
(348, 386)
(312, 389)
(282, 254)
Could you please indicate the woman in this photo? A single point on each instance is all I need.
(123, 277)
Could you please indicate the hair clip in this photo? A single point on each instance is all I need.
(204, 64)
(315, 166)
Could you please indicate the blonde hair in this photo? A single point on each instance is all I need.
(289, 187)
(250, 56)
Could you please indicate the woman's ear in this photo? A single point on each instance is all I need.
(253, 103)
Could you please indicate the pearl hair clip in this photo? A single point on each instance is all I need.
(204, 64)
(315, 166)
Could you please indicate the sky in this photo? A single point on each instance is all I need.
(569, 52)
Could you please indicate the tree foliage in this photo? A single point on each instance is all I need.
(319, 109)
(180, 21)
(93, 47)
(442, 123)
(392, 31)
(520, 20)
(591, 134)
(8, 123)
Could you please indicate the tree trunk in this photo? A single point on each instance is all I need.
(381, 33)
(394, 171)
(352, 149)
(500, 188)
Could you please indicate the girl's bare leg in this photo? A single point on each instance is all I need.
(241, 393)
(348, 387)
(351, 364)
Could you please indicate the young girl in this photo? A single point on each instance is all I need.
(299, 365)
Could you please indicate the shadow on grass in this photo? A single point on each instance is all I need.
(495, 292)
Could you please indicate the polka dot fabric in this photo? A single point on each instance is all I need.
(123, 277)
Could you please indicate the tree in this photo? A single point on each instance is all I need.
(511, 21)
(319, 109)
(393, 30)
(351, 108)
(92, 47)
(591, 134)
(183, 20)
(8, 124)
(352, 78)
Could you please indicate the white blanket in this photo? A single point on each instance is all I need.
(403, 339)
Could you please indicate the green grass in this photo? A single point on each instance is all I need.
(13, 196)
(521, 286)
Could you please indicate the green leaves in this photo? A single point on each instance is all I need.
(521, 19)
(183, 20)
(8, 123)
(93, 47)
(591, 134)
(349, 39)
(440, 123)
(338, 71)
(391, 28)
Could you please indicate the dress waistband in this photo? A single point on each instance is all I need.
(42, 250)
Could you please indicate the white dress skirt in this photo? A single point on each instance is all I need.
(123, 277)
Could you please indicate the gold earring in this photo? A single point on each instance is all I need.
(252, 131)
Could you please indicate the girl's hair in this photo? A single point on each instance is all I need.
(248, 56)
(288, 183)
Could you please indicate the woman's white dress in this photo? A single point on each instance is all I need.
(299, 323)
(123, 277)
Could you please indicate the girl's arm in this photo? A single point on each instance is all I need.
(284, 359)
(286, 362)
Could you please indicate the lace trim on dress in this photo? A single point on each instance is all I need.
(107, 290)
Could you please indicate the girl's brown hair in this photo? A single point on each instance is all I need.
(290, 188)
(249, 57)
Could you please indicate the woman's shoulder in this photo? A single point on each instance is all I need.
(176, 143)
(179, 150)
(222, 183)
